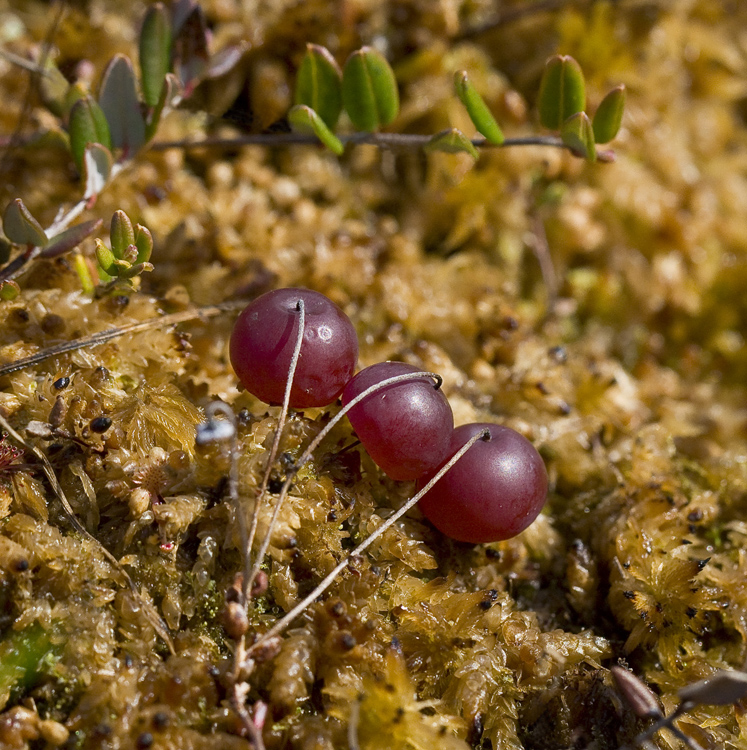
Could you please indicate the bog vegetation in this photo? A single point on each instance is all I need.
(541, 203)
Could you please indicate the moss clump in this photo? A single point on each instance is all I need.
(597, 309)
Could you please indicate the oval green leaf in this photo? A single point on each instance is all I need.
(303, 119)
(452, 141)
(319, 84)
(121, 233)
(105, 258)
(155, 52)
(478, 111)
(87, 125)
(578, 135)
(562, 91)
(608, 117)
(144, 243)
(119, 100)
(20, 227)
(369, 90)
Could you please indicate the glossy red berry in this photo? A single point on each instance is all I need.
(493, 492)
(264, 338)
(406, 426)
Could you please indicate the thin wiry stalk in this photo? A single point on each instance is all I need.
(250, 571)
(103, 337)
(383, 140)
(326, 582)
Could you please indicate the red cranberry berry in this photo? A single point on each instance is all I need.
(493, 492)
(406, 426)
(264, 338)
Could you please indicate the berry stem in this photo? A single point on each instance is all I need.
(251, 570)
(330, 578)
(314, 444)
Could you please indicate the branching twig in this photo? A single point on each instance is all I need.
(102, 337)
(383, 140)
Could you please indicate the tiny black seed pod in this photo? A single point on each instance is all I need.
(100, 424)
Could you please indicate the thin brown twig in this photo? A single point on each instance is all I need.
(102, 337)
(383, 140)
(238, 699)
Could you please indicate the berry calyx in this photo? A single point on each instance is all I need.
(264, 337)
(493, 492)
(406, 426)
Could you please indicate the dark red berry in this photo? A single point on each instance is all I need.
(264, 337)
(405, 427)
(493, 492)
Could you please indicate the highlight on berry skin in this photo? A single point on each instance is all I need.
(493, 492)
(405, 427)
(263, 340)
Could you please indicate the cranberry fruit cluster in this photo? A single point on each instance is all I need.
(404, 422)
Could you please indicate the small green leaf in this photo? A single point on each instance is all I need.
(105, 258)
(20, 227)
(452, 141)
(53, 89)
(476, 108)
(562, 91)
(578, 134)
(119, 100)
(155, 52)
(121, 233)
(144, 244)
(9, 290)
(303, 119)
(319, 84)
(87, 125)
(369, 90)
(608, 117)
(65, 241)
(97, 168)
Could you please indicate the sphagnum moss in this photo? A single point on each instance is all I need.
(631, 384)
